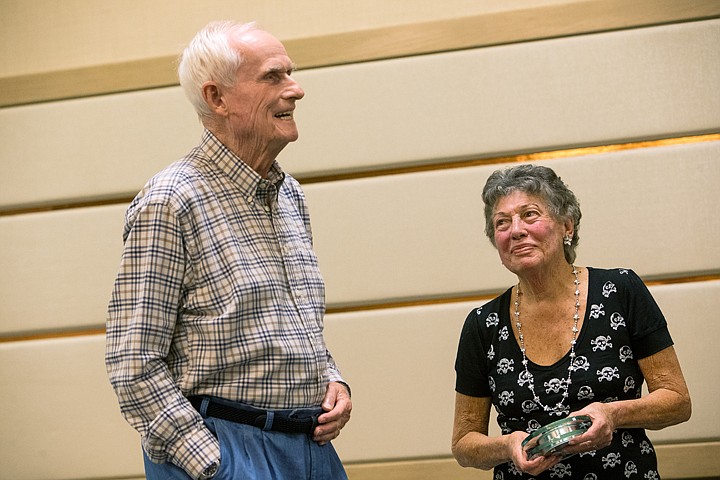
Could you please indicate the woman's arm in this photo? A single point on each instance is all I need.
(472, 447)
(470, 429)
(668, 403)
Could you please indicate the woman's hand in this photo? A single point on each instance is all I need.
(600, 433)
(519, 457)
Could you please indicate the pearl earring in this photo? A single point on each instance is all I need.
(567, 240)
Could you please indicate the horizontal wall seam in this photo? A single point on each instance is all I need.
(488, 296)
(477, 31)
(518, 158)
(385, 305)
(386, 171)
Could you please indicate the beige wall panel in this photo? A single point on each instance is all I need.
(639, 204)
(398, 361)
(594, 89)
(107, 57)
(395, 237)
(689, 309)
(416, 469)
(92, 147)
(59, 415)
(400, 365)
(58, 268)
(78, 33)
(421, 234)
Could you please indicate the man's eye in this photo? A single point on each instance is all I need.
(274, 76)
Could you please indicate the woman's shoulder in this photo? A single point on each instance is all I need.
(489, 313)
(623, 281)
(618, 274)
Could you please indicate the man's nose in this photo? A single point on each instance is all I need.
(294, 89)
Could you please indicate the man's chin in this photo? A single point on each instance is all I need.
(291, 136)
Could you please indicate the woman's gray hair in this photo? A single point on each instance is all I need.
(210, 57)
(538, 181)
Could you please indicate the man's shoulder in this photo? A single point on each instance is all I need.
(175, 185)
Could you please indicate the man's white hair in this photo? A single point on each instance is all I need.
(210, 57)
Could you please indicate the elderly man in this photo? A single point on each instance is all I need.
(215, 342)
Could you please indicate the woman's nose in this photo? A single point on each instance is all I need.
(517, 228)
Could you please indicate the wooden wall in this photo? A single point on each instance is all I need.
(409, 107)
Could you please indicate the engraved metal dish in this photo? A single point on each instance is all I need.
(553, 437)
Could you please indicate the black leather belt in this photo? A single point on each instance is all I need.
(281, 421)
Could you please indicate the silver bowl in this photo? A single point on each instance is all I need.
(553, 437)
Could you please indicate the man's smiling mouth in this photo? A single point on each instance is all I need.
(284, 115)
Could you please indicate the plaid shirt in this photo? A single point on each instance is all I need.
(218, 293)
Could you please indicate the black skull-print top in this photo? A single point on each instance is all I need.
(622, 324)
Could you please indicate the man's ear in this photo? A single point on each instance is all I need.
(214, 98)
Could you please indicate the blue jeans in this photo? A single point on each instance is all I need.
(250, 453)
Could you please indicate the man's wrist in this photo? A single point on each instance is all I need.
(210, 471)
(347, 387)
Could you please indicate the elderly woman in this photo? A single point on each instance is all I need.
(565, 341)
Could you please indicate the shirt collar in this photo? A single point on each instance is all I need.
(238, 171)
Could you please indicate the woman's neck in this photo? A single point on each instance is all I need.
(546, 285)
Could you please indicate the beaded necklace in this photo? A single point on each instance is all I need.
(559, 408)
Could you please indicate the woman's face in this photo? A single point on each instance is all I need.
(527, 236)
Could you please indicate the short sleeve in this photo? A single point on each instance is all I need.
(470, 366)
(649, 328)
